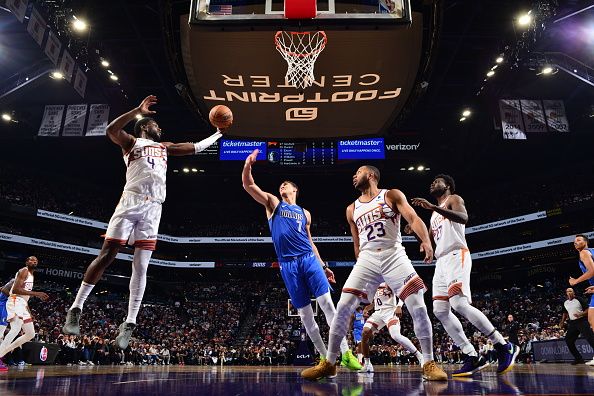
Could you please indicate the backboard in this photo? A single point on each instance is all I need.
(362, 79)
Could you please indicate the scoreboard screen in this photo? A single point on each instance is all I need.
(301, 154)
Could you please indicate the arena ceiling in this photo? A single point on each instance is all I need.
(140, 40)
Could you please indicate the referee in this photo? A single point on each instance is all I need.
(577, 313)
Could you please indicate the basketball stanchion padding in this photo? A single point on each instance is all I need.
(300, 9)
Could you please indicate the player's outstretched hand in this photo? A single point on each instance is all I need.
(589, 290)
(422, 202)
(408, 229)
(428, 250)
(398, 312)
(572, 281)
(330, 275)
(252, 157)
(146, 103)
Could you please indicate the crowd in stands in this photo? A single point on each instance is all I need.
(188, 218)
(246, 322)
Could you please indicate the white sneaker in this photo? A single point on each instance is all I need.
(590, 363)
(90, 363)
(367, 368)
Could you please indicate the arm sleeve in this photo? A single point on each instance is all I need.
(203, 144)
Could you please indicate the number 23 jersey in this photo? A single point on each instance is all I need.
(376, 231)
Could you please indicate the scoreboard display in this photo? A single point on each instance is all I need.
(308, 153)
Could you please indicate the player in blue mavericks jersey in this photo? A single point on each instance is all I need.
(301, 266)
(4, 293)
(586, 264)
(358, 322)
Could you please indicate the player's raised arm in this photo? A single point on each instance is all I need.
(115, 129)
(455, 210)
(178, 149)
(249, 185)
(327, 271)
(354, 231)
(397, 199)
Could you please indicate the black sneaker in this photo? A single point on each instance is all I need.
(123, 339)
(472, 364)
(72, 325)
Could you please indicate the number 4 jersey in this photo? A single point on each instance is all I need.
(376, 231)
(147, 169)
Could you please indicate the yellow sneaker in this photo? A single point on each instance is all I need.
(324, 369)
(349, 361)
(432, 372)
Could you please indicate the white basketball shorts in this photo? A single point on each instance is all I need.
(452, 275)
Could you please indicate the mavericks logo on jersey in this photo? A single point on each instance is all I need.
(291, 215)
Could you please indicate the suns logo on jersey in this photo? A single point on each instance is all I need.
(148, 151)
(385, 291)
(436, 226)
(369, 218)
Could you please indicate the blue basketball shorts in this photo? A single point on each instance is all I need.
(304, 277)
(592, 301)
(3, 314)
(357, 334)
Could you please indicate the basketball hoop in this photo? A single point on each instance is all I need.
(300, 50)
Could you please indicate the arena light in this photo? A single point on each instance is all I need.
(466, 113)
(201, 170)
(79, 24)
(186, 170)
(462, 119)
(494, 67)
(104, 63)
(539, 286)
(175, 171)
(57, 75)
(490, 73)
(410, 168)
(6, 117)
(114, 77)
(194, 170)
(420, 168)
(547, 70)
(525, 19)
(499, 59)
(402, 169)
(138, 116)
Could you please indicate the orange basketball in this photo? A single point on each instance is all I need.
(221, 116)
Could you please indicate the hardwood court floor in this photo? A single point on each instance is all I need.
(540, 379)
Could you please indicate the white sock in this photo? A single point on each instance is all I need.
(360, 357)
(81, 296)
(312, 329)
(137, 282)
(338, 329)
(28, 336)
(327, 306)
(452, 326)
(421, 323)
(15, 329)
(477, 318)
(367, 361)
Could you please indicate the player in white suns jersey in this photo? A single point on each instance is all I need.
(374, 220)
(387, 312)
(137, 215)
(18, 314)
(451, 282)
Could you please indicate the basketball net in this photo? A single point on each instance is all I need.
(300, 50)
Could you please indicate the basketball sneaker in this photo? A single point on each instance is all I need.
(506, 357)
(72, 325)
(472, 364)
(590, 362)
(367, 368)
(123, 339)
(3, 367)
(349, 361)
(324, 369)
(432, 372)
